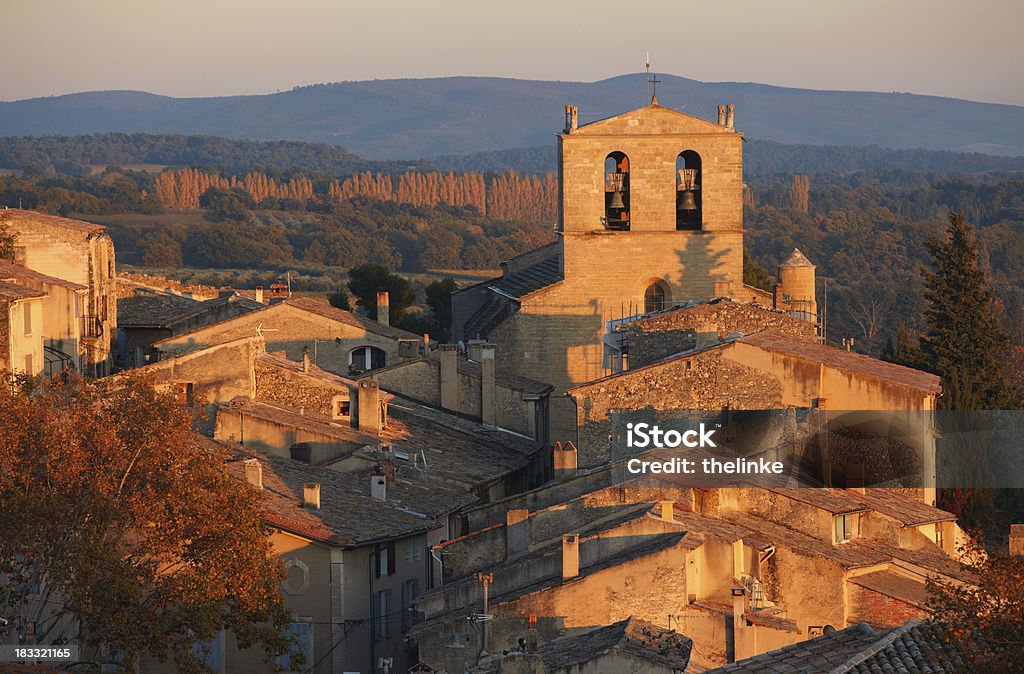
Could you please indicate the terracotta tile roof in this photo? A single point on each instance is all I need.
(14, 292)
(913, 647)
(895, 585)
(929, 558)
(165, 310)
(323, 308)
(845, 360)
(637, 637)
(10, 272)
(772, 619)
(847, 555)
(23, 219)
(348, 515)
(835, 501)
(472, 368)
(905, 509)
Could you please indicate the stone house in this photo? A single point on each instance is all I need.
(21, 334)
(465, 382)
(60, 325)
(80, 253)
(336, 340)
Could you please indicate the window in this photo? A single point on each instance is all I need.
(409, 593)
(616, 191)
(385, 559)
(211, 653)
(655, 297)
(302, 646)
(847, 527)
(366, 358)
(27, 310)
(688, 191)
(382, 615)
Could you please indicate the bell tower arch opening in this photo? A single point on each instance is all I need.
(689, 215)
(616, 191)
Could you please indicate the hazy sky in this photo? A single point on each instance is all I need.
(966, 48)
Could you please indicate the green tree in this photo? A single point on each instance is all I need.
(7, 241)
(365, 281)
(964, 342)
(113, 514)
(339, 299)
(439, 299)
(754, 274)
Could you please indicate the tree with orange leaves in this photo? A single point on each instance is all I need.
(119, 532)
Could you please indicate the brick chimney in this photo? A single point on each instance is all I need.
(570, 556)
(382, 308)
(369, 406)
(517, 533)
(254, 472)
(449, 377)
(488, 413)
(311, 495)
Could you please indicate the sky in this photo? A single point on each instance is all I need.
(965, 49)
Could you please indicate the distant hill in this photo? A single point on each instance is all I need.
(400, 119)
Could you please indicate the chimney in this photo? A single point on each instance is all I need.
(426, 343)
(254, 472)
(721, 115)
(387, 463)
(305, 359)
(378, 487)
(517, 533)
(531, 634)
(474, 350)
(571, 118)
(449, 377)
(570, 556)
(259, 294)
(566, 458)
(1017, 539)
(487, 408)
(667, 510)
(311, 495)
(382, 308)
(369, 406)
(729, 116)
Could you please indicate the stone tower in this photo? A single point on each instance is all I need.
(795, 290)
(650, 214)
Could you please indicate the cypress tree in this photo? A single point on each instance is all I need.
(964, 342)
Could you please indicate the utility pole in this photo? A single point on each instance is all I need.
(485, 579)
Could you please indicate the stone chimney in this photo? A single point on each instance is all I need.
(667, 510)
(1017, 539)
(566, 458)
(378, 487)
(259, 294)
(488, 414)
(706, 335)
(570, 556)
(311, 495)
(721, 115)
(449, 377)
(517, 533)
(254, 472)
(571, 118)
(729, 109)
(369, 406)
(382, 308)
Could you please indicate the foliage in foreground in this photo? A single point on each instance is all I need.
(112, 514)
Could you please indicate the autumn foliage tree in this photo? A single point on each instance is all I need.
(119, 532)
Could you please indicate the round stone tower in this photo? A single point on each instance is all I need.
(795, 290)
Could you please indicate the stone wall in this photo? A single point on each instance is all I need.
(295, 390)
(879, 610)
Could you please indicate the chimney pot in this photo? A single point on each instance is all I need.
(311, 495)
(254, 472)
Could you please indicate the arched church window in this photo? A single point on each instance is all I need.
(616, 191)
(688, 192)
(655, 297)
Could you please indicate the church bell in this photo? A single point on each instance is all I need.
(688, 203)
(616, 201)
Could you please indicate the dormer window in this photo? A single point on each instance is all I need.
(846, 527)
